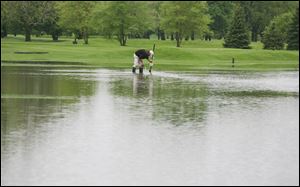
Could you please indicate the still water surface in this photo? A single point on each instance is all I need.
(79, 126)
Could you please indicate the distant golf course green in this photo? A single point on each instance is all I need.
(194, 55)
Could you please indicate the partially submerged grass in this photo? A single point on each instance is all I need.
(257, 93)
(14, 96)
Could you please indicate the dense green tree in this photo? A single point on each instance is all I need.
(221, 13)
(175, 20)
(76, 16)
(123, 18)
(282, 23)
(293, 33)
(53, 29)
(144, 19)
(50, 26)
(156, 13)
(238, 36)
(275, 35)
(185, 17)
(29, 15)
(273, 38)
(115, 19)
(4, 18)
(9, 23)
(260, 13)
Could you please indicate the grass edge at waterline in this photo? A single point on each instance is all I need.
(198, 55)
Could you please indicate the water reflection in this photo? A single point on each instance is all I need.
(30, 97)
(142, 86)
(166, 99)
(62, 126)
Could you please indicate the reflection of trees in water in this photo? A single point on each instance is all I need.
(180, 102)
(170, 100)
(31, 97)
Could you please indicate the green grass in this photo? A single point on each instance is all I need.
(192, 56)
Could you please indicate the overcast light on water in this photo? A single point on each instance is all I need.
(79, 126)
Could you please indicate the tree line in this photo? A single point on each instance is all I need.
(274, 23)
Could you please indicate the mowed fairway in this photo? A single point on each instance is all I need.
(195, 55)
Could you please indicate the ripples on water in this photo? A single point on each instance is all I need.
(62, 126)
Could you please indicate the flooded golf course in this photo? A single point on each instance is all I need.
(84, 126)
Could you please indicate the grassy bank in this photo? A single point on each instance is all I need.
(192, 56)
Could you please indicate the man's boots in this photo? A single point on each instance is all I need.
(133, 69)
(141, 70)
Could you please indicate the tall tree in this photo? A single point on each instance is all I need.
(144, 19)
(275, 34)
(293, 33)
(272, 37)
(115, 19)
(185, 17)
(29, 15)
(157, 15)
(76, 16)
(50, 26)
(221, 13)
(238, 36)
(4, 18)
(121, 19)
(260, 13)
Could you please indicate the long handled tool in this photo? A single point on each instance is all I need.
(150, 68)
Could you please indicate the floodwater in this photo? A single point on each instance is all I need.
(82, 126)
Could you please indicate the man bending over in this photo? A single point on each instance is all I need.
(138, 57)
